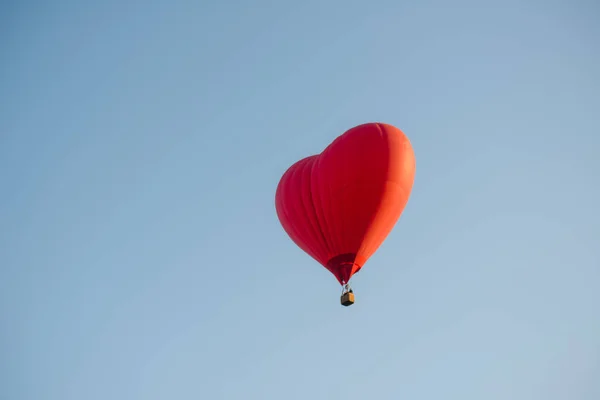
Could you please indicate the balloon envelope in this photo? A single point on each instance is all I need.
(340, 205)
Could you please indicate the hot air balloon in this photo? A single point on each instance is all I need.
(340, 205)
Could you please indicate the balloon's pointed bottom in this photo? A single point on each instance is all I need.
(347, 299)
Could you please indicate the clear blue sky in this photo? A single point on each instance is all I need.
(140, 148)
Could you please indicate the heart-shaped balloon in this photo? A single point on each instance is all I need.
(340, 205)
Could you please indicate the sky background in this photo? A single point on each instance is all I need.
(141, 144)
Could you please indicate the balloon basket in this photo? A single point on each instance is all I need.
(347, 299)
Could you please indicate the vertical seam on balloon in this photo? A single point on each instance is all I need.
(322, 221)
(285, 208)
(314, 210)
(310, 212)
(331, 221)
(301, 214)
(287, 212)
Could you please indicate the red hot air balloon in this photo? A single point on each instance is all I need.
(340, 205)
